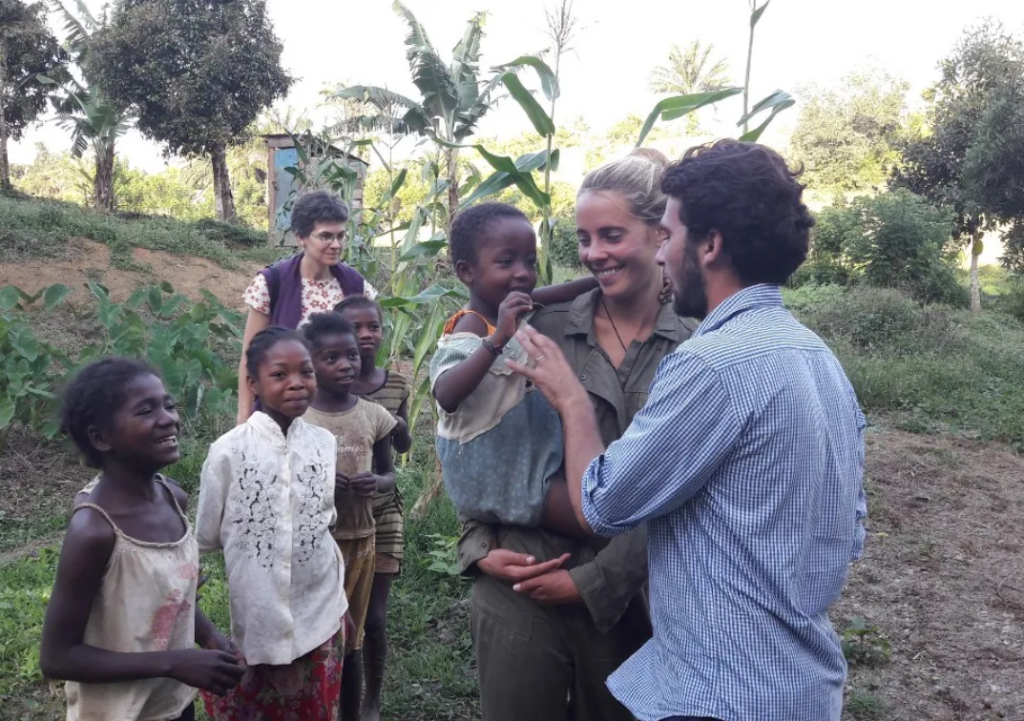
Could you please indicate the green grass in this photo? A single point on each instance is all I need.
(931, 367)
(430, 671)
(41, 228)
(934, 367)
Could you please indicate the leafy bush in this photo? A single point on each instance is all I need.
(882, 318)
(190, 343)
(933, 365)
(564, 243)
(891, 240)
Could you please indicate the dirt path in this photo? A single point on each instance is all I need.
(88, 260)
(943, 580)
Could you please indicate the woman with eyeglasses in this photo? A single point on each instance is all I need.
(312, 281)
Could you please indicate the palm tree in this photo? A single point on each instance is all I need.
(452, 102)
(84, 111)
(690, 70)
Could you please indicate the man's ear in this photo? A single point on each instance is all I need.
(464, 272)
(712, 249)
(99, 439)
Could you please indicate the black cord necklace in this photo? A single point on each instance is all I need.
(612, 321)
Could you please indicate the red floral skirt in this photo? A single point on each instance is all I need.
(307, 689)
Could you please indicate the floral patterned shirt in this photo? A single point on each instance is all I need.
(318, 296)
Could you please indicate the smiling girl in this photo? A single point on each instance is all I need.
(122, 622)
(267, 501)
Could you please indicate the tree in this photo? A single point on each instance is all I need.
(690, 70)
(30, 61)
(195, 73)
(85, 111)
(846, 136)
(969, 156)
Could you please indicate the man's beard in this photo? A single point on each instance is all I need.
(690, 298)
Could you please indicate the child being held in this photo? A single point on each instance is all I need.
(364, 469)
(498, 439)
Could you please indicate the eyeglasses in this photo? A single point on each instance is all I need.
(328, 238)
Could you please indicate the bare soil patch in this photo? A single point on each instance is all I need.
(87, 260)
(38, 480)
(943, 580)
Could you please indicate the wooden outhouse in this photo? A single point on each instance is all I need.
(282, 154)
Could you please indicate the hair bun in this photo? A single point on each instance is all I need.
(655, 156)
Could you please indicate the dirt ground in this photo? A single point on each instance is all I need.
(943, 580)
(88, 260)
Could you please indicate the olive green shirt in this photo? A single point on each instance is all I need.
(608, 581)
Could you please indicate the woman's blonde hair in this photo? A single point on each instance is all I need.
(637, 178)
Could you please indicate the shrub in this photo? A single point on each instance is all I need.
(891, 240)
(564, 243)
(883, 319)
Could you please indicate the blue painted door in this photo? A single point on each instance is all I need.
(284, 183)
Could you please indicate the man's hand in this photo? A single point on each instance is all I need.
(364, 484)
(548, 369)
(551, 588)
(514, 567)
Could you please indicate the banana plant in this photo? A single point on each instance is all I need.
(452, 97)
(82, 108)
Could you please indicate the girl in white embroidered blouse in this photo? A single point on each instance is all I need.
(267, 500)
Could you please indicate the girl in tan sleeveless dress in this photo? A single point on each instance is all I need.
(122, 623)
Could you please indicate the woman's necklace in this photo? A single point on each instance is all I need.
(612, 321)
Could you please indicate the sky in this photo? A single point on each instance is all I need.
(605, 78)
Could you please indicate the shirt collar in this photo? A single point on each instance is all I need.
(581, 318)
(266, 426)
(762, 295)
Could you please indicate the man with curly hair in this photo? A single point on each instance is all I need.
(746, 463)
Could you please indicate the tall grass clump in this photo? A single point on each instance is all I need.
(936, 365)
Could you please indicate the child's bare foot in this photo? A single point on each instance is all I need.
(370, 713)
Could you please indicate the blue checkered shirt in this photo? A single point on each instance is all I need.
(747, 465)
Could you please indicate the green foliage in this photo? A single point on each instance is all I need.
(30, 61)
(565, 243)
(34, 228)
(166, 60)
(970, 156)
(443, 554)
(690, 70)
(24, 593)
(892, 240)
(845, 136)
(934, 366)
(864, 644)
(187, 342)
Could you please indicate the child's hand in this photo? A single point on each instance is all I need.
(341, 482)
(510, 313)
(363, 484)
(219, 642)
(215, 671)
